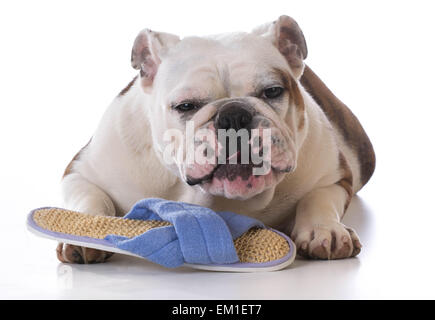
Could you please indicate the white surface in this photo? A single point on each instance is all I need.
(61, 64)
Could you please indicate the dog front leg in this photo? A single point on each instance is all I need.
(83, 196)
(318, 232)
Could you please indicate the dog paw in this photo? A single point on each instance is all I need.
(68, 253)
(335, 241)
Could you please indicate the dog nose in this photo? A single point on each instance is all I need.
(233, 116)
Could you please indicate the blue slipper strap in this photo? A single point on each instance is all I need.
(198, 235)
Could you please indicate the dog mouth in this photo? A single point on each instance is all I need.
(238, 181)
(237, 171)
(226, 171)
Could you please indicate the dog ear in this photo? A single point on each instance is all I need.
(286, 35)
(147, 52)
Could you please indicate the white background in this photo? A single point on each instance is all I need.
(61, 64)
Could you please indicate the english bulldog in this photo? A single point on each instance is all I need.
(318, 153)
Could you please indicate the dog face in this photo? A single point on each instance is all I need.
(227, 112)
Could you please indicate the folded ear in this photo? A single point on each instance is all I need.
(147, 52)
(286, 35)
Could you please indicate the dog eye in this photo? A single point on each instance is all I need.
(273, 92)
(185, 106)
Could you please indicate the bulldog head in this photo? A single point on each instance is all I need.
(226, 111)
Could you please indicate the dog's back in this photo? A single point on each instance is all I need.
(346, 124)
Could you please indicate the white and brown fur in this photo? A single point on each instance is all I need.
(121, 165)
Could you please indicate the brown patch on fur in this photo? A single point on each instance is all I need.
(291, 86)
(346, 181)
(68, 168)
(285, 77)
(344, 120)
(129, 85)
(289, 29)
(296, 95)
(290, 41)
(301, 123)
(299, 102)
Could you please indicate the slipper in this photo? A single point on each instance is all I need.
(172, 234)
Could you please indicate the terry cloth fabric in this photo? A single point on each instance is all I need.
(198, 235)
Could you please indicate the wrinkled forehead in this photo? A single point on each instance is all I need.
(226, 65)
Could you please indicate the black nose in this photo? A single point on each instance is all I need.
(233, 116)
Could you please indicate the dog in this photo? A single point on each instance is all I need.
(320, 155)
